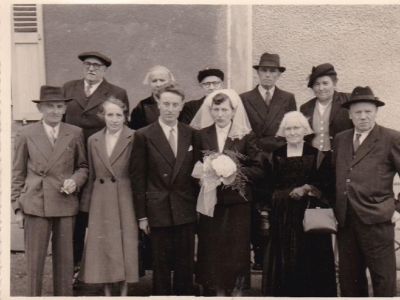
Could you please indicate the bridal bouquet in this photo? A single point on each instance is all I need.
(218, 168)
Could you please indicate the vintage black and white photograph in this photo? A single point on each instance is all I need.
(200, 149)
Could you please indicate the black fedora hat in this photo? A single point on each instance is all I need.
(363, 94)
(319, 71)
(51, 93)
(107, 61)
(270, 60)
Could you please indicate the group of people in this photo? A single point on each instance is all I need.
(95, 179)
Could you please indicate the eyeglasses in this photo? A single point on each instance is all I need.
(208, 84)
(95, 65)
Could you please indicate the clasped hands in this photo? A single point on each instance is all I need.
(300, 192)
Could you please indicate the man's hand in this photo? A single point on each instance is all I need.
(20, 218)
(144, 225)
(69, 186)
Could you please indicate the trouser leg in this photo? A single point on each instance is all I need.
(81, 223)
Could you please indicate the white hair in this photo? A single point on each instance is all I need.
(147, 79)
(296, 115)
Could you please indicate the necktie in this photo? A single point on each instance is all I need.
(87, 90)
(268, 98)
(53, 136)
(171, 140)
(356, 144)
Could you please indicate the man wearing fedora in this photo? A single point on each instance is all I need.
(366, 160)
(49, 168)
(88, 94)
(210, 80)
(266, 105)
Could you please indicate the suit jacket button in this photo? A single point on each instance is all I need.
(331, 137)
(113, 179)
(165, 175)
(101, 181)
(348, 180)
(345, 193)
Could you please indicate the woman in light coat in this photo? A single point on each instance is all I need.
(111, 250)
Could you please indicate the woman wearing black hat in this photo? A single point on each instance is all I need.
(324, 112)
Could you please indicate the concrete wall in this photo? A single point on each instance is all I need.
(362, 42)
(184, 38)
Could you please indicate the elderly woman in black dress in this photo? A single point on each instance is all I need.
(223, 259)
(297, 264)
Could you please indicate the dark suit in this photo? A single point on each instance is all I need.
(39, 171)
(145, 113)
(364, 206)
(265, 123)
(190, 109)
(338, 119)
(82, 112)
(164, 194)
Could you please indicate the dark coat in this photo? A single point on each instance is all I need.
(190, 109)
(39, 170)
(338, 119)
(367, 179)
(145, 113)
(265, 122)
(162, 184)
(82, 112)
(206, 139)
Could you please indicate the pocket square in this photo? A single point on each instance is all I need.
(190, 148)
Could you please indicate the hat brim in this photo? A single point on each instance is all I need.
(377, 103)
(281, 69)
(105, 62)
(48, 100)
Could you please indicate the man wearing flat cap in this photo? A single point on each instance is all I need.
(210, 80)
(49, 168)
(88, 94)
(366, 159)
(266, 105)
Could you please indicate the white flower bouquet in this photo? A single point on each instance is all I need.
(218, 168)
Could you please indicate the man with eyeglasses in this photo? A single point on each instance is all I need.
(210, 80)
(88, 94)
(265, 105)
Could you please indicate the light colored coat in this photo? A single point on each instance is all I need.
(111, 251)
(39, 170)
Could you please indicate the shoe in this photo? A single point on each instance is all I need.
(257, 267)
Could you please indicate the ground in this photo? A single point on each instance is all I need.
(143, 288)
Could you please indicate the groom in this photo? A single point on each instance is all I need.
(165, 201)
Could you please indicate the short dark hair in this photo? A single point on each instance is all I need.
(113, 100)
(220, 98)
(170, 87)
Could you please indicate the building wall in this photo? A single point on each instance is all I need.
(362, 42)
(184, 38)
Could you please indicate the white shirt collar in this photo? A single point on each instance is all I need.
(224, 130)
(264, 91)
(94, 86)
(49, 128)
(363, 134)
(167, 128)
(116, 134)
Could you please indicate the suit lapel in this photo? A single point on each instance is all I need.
(99, 95)
(349, 147)
(274, 108)
(229, 143)
(63, 139)
(160, 141)
(212, 139)
(80, 91)
(335, 107)
(309, 111)
(257, 102)
(41, 141)
(123, 141)
(100, 146)
(184, 142)
(367, 145)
